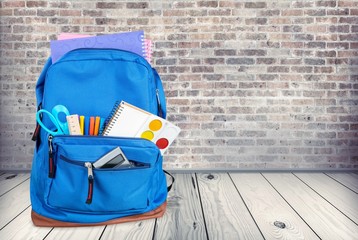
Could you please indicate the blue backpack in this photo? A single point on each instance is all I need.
(63, 192)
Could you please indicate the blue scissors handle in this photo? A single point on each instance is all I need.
(62, 127)
(53, 120)
(58, 109)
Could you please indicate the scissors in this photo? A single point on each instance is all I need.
(62, 127)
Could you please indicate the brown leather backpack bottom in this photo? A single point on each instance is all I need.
(42, 221)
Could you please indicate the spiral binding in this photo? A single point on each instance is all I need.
(147, 46)
(112, 118)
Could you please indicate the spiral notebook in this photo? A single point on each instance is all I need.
(129, 41)
(127, 120)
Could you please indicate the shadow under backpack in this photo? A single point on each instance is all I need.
(89, 82)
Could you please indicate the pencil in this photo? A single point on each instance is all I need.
(96, 126)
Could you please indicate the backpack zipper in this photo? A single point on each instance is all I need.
(37, 129)
(51, 168)
(88, 165)
(90, 51)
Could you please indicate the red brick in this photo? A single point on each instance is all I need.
(292, 12)
(109, 5)
(209, 4)
(255, 4)
(188, 45)
(13, 4)
(137, 5)
(31, 4)
(46, 12)
(326, 3)
(5, 12)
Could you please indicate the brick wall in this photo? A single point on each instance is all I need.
(256, 84)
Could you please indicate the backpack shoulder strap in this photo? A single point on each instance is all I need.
(162, 106)
(173, 180)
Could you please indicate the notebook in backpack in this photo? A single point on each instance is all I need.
(88, 82)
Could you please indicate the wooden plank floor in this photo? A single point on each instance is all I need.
(215, 206)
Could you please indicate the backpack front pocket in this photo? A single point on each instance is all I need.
(77, 186)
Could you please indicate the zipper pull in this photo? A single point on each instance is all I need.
(36, 133)
(37, 129)
(51, 165)
(88, 165)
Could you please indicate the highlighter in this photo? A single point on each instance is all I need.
(82, 124)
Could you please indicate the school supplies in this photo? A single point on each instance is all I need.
(61, 126)
(127, 120)
(74, 125)
(147, 44)
(86, 125)
(112, 159)
(65, 36)
(101, 126)
(148, 49)
(129, 41)
(96, 125)
(82, 124)
(91, 126)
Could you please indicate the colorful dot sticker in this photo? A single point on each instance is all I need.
(159, 131)
(162, 143)
(147, 135)
(155, 125)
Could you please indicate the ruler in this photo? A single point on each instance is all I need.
(74, 125)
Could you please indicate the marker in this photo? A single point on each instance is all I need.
(96, 126)
(91, 126)
(82, 124)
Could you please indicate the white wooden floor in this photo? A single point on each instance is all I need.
(215, 206)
